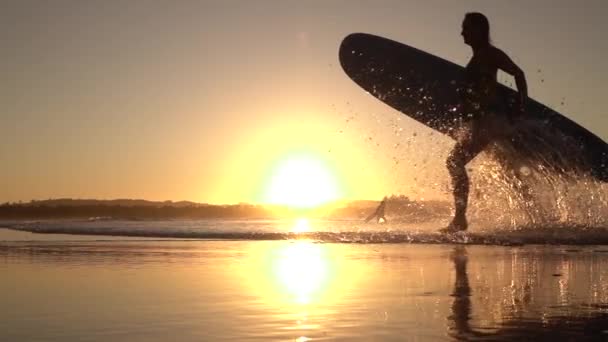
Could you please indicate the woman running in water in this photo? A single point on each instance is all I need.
(481, 106)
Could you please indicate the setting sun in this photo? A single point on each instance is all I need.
(302, 182)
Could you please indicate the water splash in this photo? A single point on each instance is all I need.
(538, 181)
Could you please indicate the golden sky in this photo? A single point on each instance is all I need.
(207, 100)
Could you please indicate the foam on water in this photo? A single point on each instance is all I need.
(320, 231)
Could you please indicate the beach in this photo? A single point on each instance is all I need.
(92, 288)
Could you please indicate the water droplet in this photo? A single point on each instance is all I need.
(525, 171)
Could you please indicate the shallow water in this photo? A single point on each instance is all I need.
(151, 290)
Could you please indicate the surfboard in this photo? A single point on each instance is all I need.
(426, 88)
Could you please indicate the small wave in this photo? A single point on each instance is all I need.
(556, 235)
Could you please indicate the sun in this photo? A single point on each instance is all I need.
(302, 182)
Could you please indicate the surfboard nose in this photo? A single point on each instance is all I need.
(352, 52)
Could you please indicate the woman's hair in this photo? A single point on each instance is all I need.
(481, 23)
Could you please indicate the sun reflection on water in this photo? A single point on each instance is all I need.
(300, 281)
(300, 274)
(303, 270)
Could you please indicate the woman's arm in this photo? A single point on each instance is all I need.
(507, 65)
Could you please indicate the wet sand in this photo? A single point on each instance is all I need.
(143, 290)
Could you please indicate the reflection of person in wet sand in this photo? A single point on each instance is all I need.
(481, 106)
(461, 307)
(547, 328)
(379, 213)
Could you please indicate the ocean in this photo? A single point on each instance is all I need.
(298, 280)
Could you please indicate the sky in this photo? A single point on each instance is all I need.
(210, 101)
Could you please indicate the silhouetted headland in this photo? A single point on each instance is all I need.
(396, 207)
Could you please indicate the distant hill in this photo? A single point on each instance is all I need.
(69, 202)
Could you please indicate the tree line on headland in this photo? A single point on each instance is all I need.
(397, 206)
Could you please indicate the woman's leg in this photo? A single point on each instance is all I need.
(464, 151)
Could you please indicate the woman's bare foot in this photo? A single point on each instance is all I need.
(458, 224)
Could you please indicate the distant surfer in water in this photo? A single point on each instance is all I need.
(480, 105)
(379, 213)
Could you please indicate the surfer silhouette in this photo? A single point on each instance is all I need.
(480, 106)
(379, 213)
